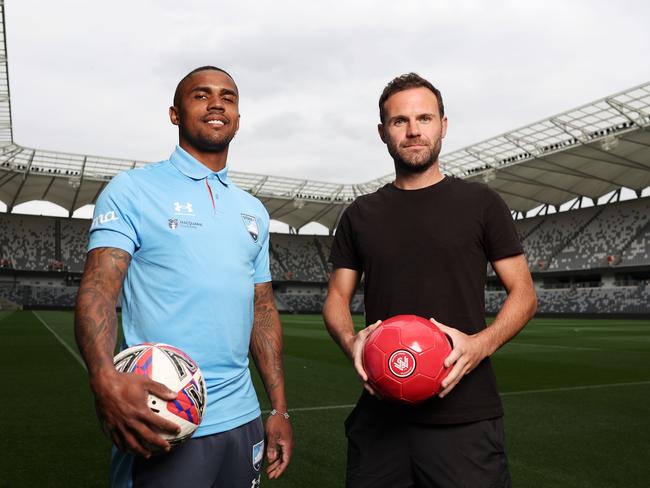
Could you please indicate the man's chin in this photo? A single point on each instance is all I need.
(413, 167)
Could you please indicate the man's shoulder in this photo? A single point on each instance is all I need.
(371, 199)
(250, 201)
(135, 177)
(471, 189)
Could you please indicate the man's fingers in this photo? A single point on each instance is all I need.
(453, 357)
(372, 327)
(358, 365)
(160, 390)
(158, 423)
(370, 389)
(359, 344)
(271, 452)
(150, 437)
(446, 329)
(271, 468)
(281, 463)
(454, 375)
(132, 444)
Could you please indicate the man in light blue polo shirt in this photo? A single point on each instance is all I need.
(189, 251)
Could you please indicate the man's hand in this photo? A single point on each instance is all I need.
(357, 354)
(467, 353)
(121, 403)
(279, 444)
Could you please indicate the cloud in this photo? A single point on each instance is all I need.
(98, 77)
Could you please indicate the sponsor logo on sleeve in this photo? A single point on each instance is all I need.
(250, 223)
(105, 218)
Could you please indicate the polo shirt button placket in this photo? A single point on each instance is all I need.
(212, 194)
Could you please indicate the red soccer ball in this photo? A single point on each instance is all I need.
(404, 358)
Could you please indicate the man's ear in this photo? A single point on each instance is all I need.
(174, 117)
(382, 132)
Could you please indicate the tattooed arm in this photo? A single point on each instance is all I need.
(121, 399)
(266, 349)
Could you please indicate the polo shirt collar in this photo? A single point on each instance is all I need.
(192, 168)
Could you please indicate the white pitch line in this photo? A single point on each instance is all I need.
(552, 346)
(63, 343)
(508, 393)
(575, 388)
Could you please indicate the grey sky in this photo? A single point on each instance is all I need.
(97, 77)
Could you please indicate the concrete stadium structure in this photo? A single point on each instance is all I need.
(580, 160)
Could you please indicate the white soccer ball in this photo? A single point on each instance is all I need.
(178, 372)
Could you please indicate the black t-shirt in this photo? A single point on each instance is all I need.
(425, 252)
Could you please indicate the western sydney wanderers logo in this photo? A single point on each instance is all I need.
(251, 226)
(401, 363)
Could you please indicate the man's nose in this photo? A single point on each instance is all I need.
(413, 129)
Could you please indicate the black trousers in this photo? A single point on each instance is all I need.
(405, 455)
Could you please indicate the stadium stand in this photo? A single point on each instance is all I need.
(74, 242)
(600, 241)
(541, 165)
(612, 242)
(298, 258)
(597, 301)
(27, 242)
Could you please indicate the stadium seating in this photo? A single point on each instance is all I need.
(602, 240)
(298, 258)
(74, 243)
(574, 300)
(552, 234)
(27, 241)
(610, 238)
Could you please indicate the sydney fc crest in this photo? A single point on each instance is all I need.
(251, 226)
(173, 223)
(258, 454)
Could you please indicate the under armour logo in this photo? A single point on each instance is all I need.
(186, 208)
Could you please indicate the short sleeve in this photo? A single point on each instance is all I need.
(115, 217)
(501, 237)
(344, 253)
(262, 273)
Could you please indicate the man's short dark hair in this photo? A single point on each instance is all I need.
(406, 82)
(177, 92)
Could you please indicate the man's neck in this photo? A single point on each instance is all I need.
(215, 161)
(415, 181)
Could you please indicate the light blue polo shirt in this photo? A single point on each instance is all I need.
(199, 245)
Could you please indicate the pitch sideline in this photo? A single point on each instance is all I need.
(61, 341)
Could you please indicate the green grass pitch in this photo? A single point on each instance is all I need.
(576, 393)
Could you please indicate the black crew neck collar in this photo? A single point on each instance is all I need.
(425, 189)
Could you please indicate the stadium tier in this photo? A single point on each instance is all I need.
(590, 260)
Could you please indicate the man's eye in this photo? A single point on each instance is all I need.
(200, 96)
(426, 118)
(229, 99)
(399, 121)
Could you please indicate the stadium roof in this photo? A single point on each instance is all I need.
(585, 152)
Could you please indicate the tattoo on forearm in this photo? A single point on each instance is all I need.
(266, 338)
(95, 317)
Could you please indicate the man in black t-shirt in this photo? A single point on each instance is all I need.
(423, 243)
